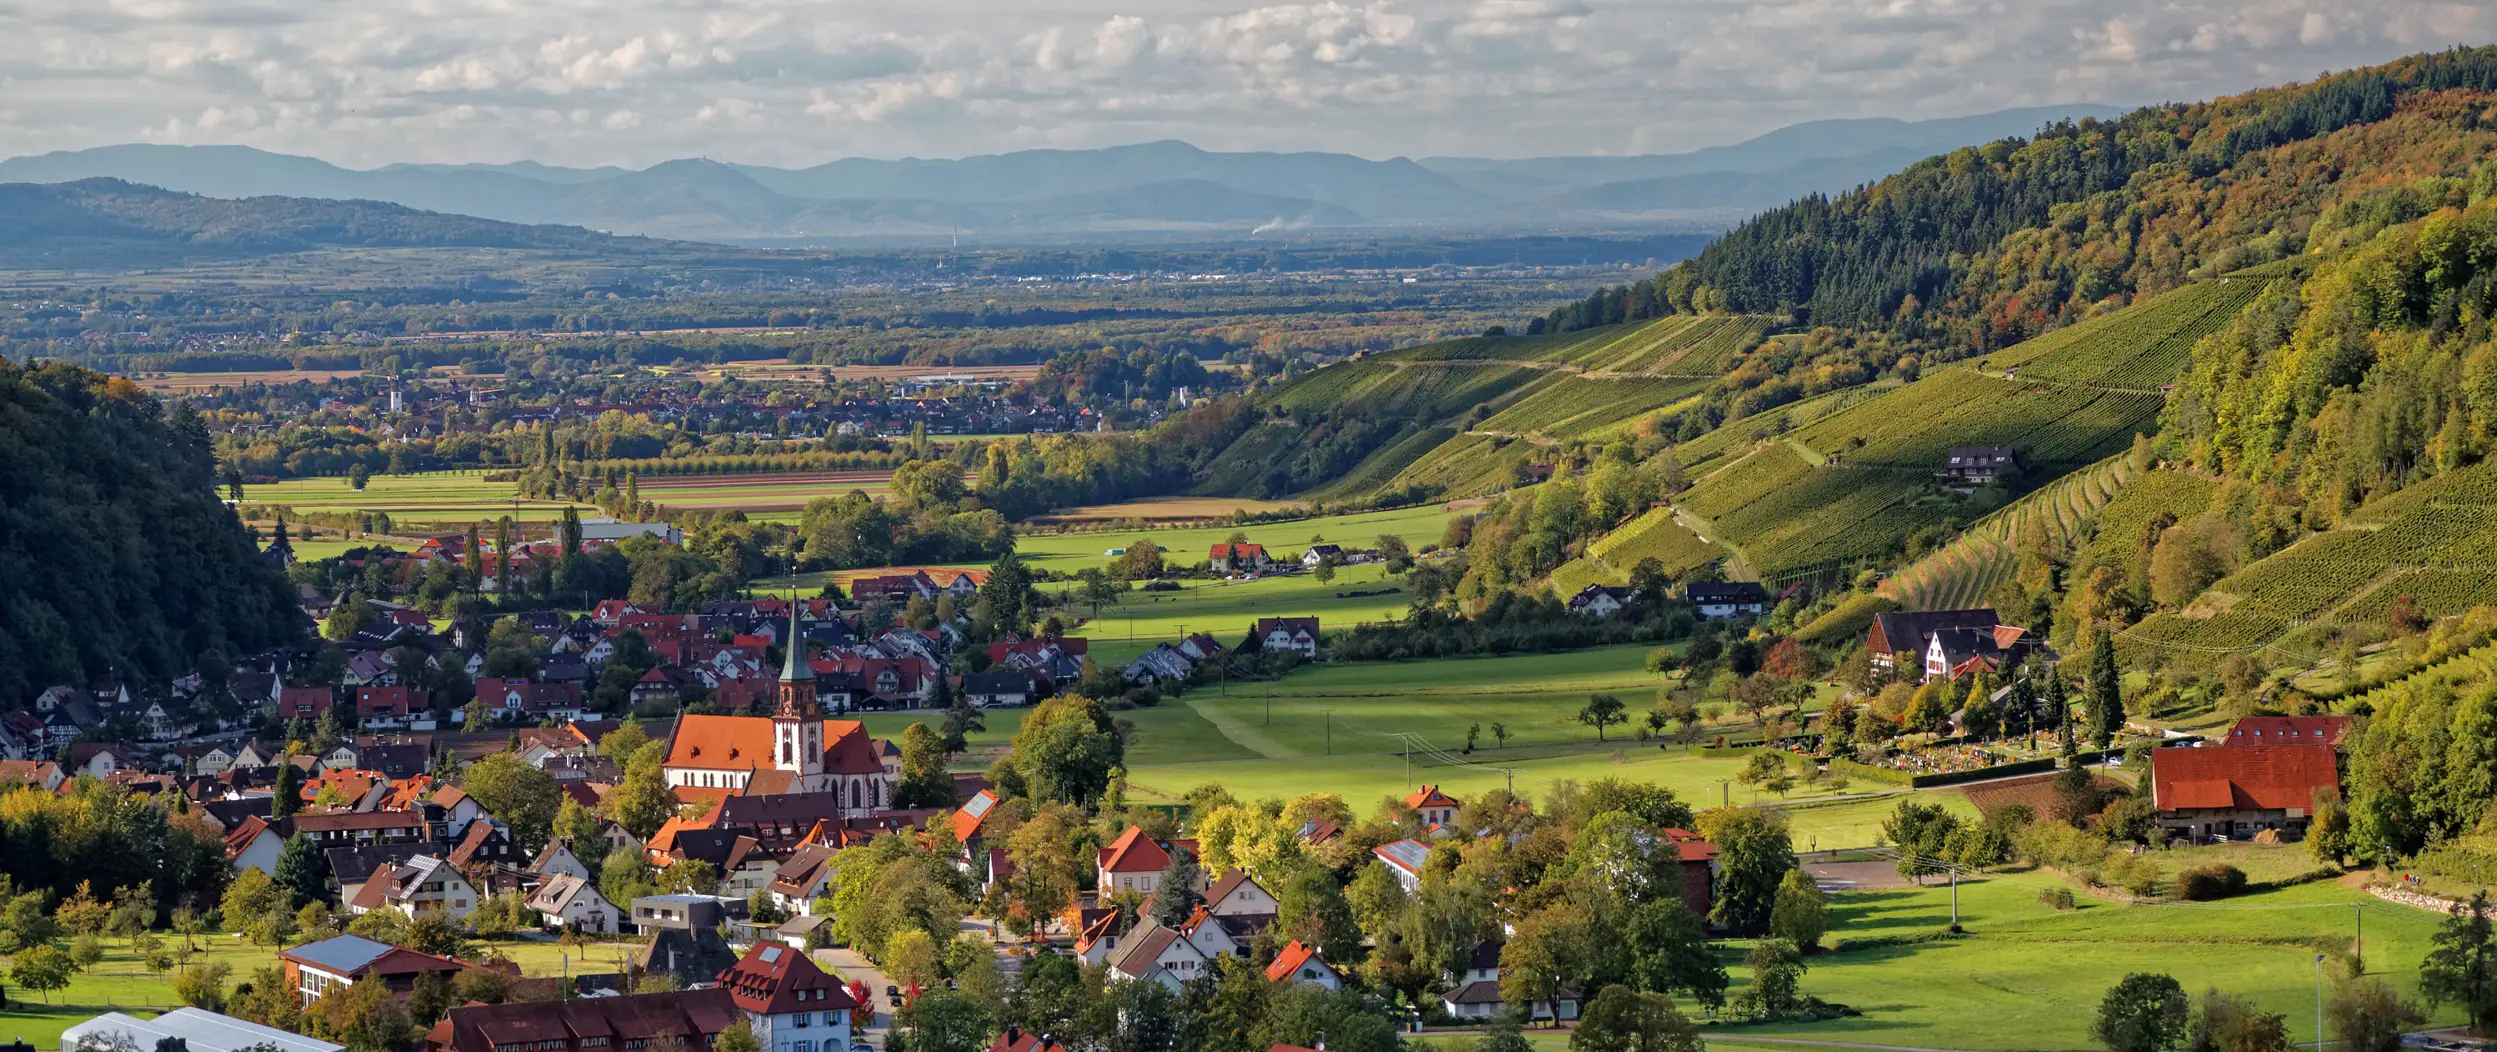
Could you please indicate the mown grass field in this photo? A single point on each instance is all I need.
(1074, 550)
(2030, 977)
(122, 983)
(445, 497)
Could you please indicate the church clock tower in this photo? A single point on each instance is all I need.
(798, 720)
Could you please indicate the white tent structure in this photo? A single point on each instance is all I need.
(202, 1030)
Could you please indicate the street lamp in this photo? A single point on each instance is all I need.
(2319, 1002)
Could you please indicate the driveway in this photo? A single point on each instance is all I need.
(873, 1020)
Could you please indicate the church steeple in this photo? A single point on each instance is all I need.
(797, 721)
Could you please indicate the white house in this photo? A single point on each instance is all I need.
(1717, 602)
(1158, 954)
(1404, 859)
(1292, 635)
(425, 882)
(1300, 964)
(566, 901)
(792, 1005)
(1599, 600)
(557, 860)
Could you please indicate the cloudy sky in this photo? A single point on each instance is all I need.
(585, 82)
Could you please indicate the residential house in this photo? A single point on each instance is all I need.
(520, 701)
(1163, 663)
(1599, 600)
(557, 859)
(1158, 954)
(1956, 653)
(1477, 995)
(1297, 635)
(999, 688)
(1437, 809)
(1017, 1039)
(2237, 791)
(425, 882)
(676, 1019)
(315, 969)
(1967, 467)
(484, 848)
(388, 708)
(1404, 860)
(1696, 861)
(685, 912)
(574, 903)
(39, 774)
(1237, 558)
(304, 703)
(1722, 600)
(1899, 640)
(1297, 963)
(1134, 862)
(791, 1005)
(1319, 553)
(803, 877)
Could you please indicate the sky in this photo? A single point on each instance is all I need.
(633, 82)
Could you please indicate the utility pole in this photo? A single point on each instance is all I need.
(2358, 955)
(1954, 898)
(1330, 727)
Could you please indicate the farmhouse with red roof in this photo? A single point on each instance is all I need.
(2240, 790)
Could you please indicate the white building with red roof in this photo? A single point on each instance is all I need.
(1134, 862)
(2237, 791)
(1298, 963)
(792, 1005)
(810, 754)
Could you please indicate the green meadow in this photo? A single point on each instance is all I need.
(444, 497)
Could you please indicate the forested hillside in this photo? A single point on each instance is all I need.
(116, 558)
(2264, 319)
(100, 219)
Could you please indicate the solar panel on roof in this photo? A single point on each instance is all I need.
(771, 954)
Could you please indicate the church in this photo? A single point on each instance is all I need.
(794, 750)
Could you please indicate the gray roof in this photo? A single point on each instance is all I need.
(202, 1030)
(1407, 853)
(342, 954)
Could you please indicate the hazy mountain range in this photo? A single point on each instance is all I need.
(1159, 186)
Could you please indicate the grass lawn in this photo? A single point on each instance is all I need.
(1536, 696)
(122, 983)
(2027, 976)
(459, 497)
(1188, 545)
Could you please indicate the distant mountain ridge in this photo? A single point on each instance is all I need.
(96, 220)
(1166, 185)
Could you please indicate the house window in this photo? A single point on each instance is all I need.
(802, 1046)
(804, 1019)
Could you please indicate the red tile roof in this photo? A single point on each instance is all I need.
(1134, 852)
(1429, 796)
(738, 743)
(1289, 961)
(774, 979)
(2245, 777)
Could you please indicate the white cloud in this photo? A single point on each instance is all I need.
(788, 82)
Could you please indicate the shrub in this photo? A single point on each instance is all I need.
(2057, 898)
(2205, 883)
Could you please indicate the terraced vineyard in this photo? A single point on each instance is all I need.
(2049, 423)
(2436, 542)
(2140, 347)
(1381, 467)
(1960, 575)
(1426, 390)
(1571, 406)
(1718, 448)
(1681, 345)
(1467, 465)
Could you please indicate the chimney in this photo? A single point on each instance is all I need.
(1012, 1035)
